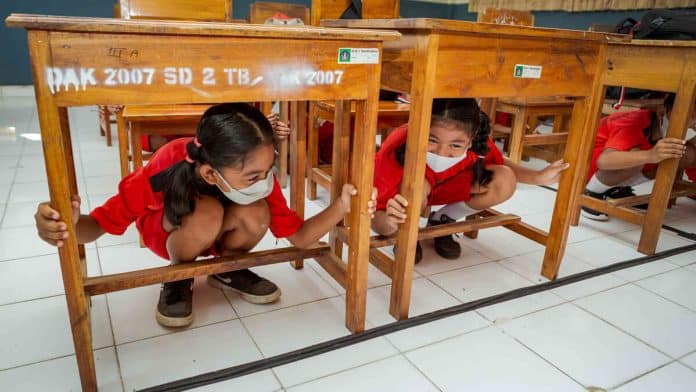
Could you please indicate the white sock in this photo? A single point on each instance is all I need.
(455, 211)
(596, 186)
(635, 180)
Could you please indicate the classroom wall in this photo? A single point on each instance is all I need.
(14, 63)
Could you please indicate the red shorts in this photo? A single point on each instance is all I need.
(155, 237)
(452, 190)
(145, 141)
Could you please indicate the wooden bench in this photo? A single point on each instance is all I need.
(444, 58)
(260, 55)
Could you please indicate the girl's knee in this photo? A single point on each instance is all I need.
(245, 225)
(503, 184)
(256, 218)
(198, 230)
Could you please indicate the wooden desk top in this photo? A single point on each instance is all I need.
(385, 107)
(661, 43)
(86, 61)
(110, 25)
(163, 112)
(459, 26)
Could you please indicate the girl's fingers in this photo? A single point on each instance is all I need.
(401, 200)
(56, 235)
(46, 212)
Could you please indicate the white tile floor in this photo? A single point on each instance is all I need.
(632, 330)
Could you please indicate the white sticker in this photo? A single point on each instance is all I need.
(527, 71)
(358, 56)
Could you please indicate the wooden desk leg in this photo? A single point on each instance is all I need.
(361, 176)
(666, 170)
(136, 145)
(56, 153)
(516, 134)
(72, 178)
(123, 141)
(312, 150)
(298, 149)
(283, 150)
(340, 159)
(581, 135)
(422, 92)
(283, 164)
(107, 127)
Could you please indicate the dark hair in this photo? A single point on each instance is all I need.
(468, 116)
(227, 133)
(669, 102)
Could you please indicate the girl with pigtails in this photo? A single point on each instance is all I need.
(465, 172)
(213, 194)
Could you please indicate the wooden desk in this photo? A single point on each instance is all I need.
(443, 58)
(672, 68)
(94, 61)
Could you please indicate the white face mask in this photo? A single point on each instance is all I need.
(439, 163)
(256, 191)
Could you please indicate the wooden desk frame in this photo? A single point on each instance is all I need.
(429, 62)
(672, 69)
(70, 58)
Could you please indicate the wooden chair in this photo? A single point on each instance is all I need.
(179, 10)
(259, 12)
(184, 10)
(526, 112)
(390, 114)
(506, 17)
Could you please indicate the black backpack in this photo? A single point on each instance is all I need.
(658, 25)
(667, 25)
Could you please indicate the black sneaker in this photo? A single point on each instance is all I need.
(594, 214)
(250, 286)
(445, 246)
(175, 305)
(619, 192)
(419, 253)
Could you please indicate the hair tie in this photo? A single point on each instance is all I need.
(196, 142)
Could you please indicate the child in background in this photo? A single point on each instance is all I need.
(465, 172)
(214, 194)
(627, 149)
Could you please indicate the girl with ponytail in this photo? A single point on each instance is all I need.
(213, 194)
(465, 172)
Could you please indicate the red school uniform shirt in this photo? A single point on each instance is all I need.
(622, 132)
(136, 198)
(448, 186)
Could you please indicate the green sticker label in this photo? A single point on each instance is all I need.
(527, 71)
(358, 56)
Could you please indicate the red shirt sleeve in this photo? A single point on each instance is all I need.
(626, 132)
(494, 156)
(133, 197)
(284, 221)
(388, 172)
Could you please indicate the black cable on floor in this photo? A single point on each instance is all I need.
(345, 341)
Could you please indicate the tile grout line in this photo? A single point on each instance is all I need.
(111, 326)
(640, 340)
(553, 365)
